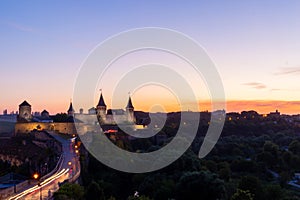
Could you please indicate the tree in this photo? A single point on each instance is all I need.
(271, 148)
(211, 166)
(224, 173)
(69, 191)
(138, 198)
(158, 186)
(94, 190)
(294, 147)
(273, 192)
(285, 176)
(268, 158)
(60, 117)
(200, 185)
(295, 163)
(242, 195)
(252, 184)
(165, 190)
(287, 157)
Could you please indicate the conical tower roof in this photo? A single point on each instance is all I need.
(25, 103)
(129, 104)
(71, 109)
(101, 101)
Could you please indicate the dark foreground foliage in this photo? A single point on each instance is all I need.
(253, 160)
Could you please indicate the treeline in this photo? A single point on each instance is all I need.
(253, 160)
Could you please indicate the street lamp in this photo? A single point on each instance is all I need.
(36, 176)
(71, 170)
(46, 164)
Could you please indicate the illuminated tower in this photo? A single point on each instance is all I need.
(25, 111)
(101, 109)
(130, 111)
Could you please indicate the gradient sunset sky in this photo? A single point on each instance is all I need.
(255, 45)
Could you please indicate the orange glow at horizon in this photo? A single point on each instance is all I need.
(155, 98)
(261, 106)
(147, 104)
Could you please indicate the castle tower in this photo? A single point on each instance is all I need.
(25, 112)
(101, 109)
(130, 111)
(45, 114)
(71, 110)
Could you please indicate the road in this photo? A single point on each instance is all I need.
(69, 167)
(294, 184)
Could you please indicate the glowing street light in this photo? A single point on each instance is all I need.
(36, 176)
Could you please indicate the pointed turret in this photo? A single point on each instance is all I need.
(130, 111)
(101, 109)
(101, 101)
(129, 104)
(25, 103)
(71, 110)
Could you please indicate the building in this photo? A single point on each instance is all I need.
(275, 114)
(92, 111)
(130, 111)
(26, 122)
(43, 117)
(114, 116)
(71, 110)
(24, 112)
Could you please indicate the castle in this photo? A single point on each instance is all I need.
(27, 122)
(113, 116)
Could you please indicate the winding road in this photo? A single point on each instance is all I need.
(69, 169)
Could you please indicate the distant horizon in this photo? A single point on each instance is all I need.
(260, 106)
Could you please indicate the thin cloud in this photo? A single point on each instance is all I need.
(288, 71)
(256, 85)
(19, 27)
(276, 89)
(283, 89)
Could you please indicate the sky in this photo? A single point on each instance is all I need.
(254, 44)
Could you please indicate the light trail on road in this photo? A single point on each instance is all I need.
(51, 184)
(42, 184)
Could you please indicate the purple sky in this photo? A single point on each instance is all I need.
(254, 44)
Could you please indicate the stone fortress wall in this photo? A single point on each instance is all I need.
(61, 127)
